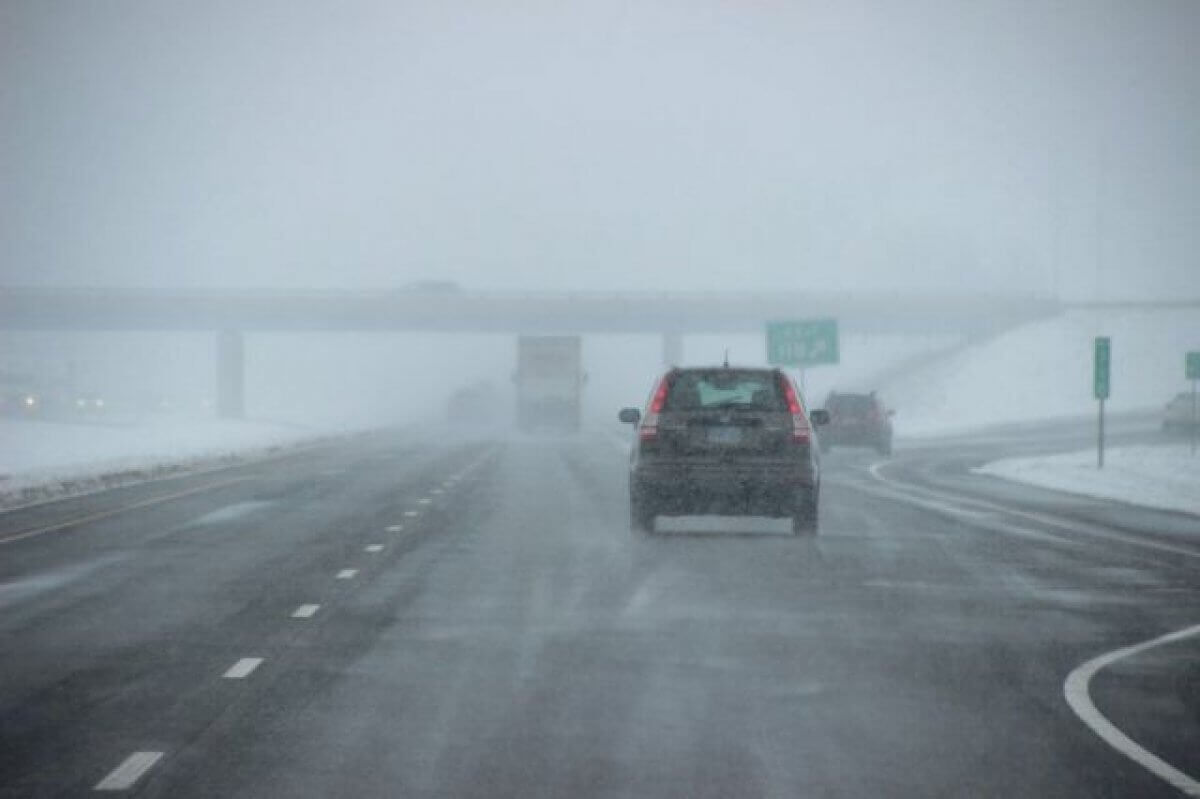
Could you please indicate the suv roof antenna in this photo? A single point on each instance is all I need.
(726, 364)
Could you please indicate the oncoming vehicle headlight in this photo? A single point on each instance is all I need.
(30, 401)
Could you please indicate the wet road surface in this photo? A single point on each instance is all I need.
(407, 615)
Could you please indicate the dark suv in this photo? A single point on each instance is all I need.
(857, 420)
(724, 440)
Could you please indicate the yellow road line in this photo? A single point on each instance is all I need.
(117, 511)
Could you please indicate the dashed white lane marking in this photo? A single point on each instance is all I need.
(435, 491)
(243, 668)
(305, 611)
(347, 574)
(411, 513)
(130, 771)
(1076, 691)
(424, 501)
(373, 548)
(395, 528)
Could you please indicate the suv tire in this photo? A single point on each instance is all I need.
(804, 515)
(641, 516)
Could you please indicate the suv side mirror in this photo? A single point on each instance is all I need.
(630, 415)
(819, 417)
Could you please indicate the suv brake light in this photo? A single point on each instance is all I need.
(801, 429)
(649, 428)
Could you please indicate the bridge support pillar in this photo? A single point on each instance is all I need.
(231, 374)
(672, 349)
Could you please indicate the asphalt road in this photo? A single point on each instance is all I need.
(407, 615)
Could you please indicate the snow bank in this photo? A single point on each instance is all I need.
(1044, 371)
(1165, 477)
(42, 460)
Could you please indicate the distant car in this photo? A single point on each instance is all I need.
(89, 404)
(857, 420)
(1177, 415)
(22, 403)
(724, 440)
(474, 404)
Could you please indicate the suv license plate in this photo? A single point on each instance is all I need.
(724, 435)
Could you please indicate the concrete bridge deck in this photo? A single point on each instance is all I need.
(28, 308)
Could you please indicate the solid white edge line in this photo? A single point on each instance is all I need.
(1075, 689)
(130, 771)
(243, 668)
(305, 611)
(347, 574)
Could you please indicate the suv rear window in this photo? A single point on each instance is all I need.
(725, 388)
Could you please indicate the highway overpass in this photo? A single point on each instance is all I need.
(672, 314)
(25, 308)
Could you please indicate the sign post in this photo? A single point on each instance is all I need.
(1100, 368)
(801, 343)
(1192, 372)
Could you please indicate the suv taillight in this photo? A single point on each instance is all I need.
(649, 427)
(801, 429)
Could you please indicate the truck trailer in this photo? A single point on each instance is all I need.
(549, 383)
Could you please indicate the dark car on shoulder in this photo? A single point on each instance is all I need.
(726, 440)
(1180, 415)
(857, 420)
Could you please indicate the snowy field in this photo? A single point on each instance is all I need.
(41, 460)
(1166, 476)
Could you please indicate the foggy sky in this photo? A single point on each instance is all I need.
(603, 145)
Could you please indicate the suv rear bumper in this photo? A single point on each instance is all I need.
(769, 489)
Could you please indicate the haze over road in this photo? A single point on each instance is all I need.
(425, 615)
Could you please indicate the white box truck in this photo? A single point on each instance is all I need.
(549, 382)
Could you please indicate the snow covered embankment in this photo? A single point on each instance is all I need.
(42, 460)
(1043, 370)
(1165, 477)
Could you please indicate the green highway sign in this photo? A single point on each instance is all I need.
(1100, 370)
(804, 342)
(1192, 366)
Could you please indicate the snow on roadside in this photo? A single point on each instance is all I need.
(44, 460)
(1163, 476)
(1043, 370)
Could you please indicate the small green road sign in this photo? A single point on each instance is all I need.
(805, 342)
(1100, 372)
(1192, 366)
